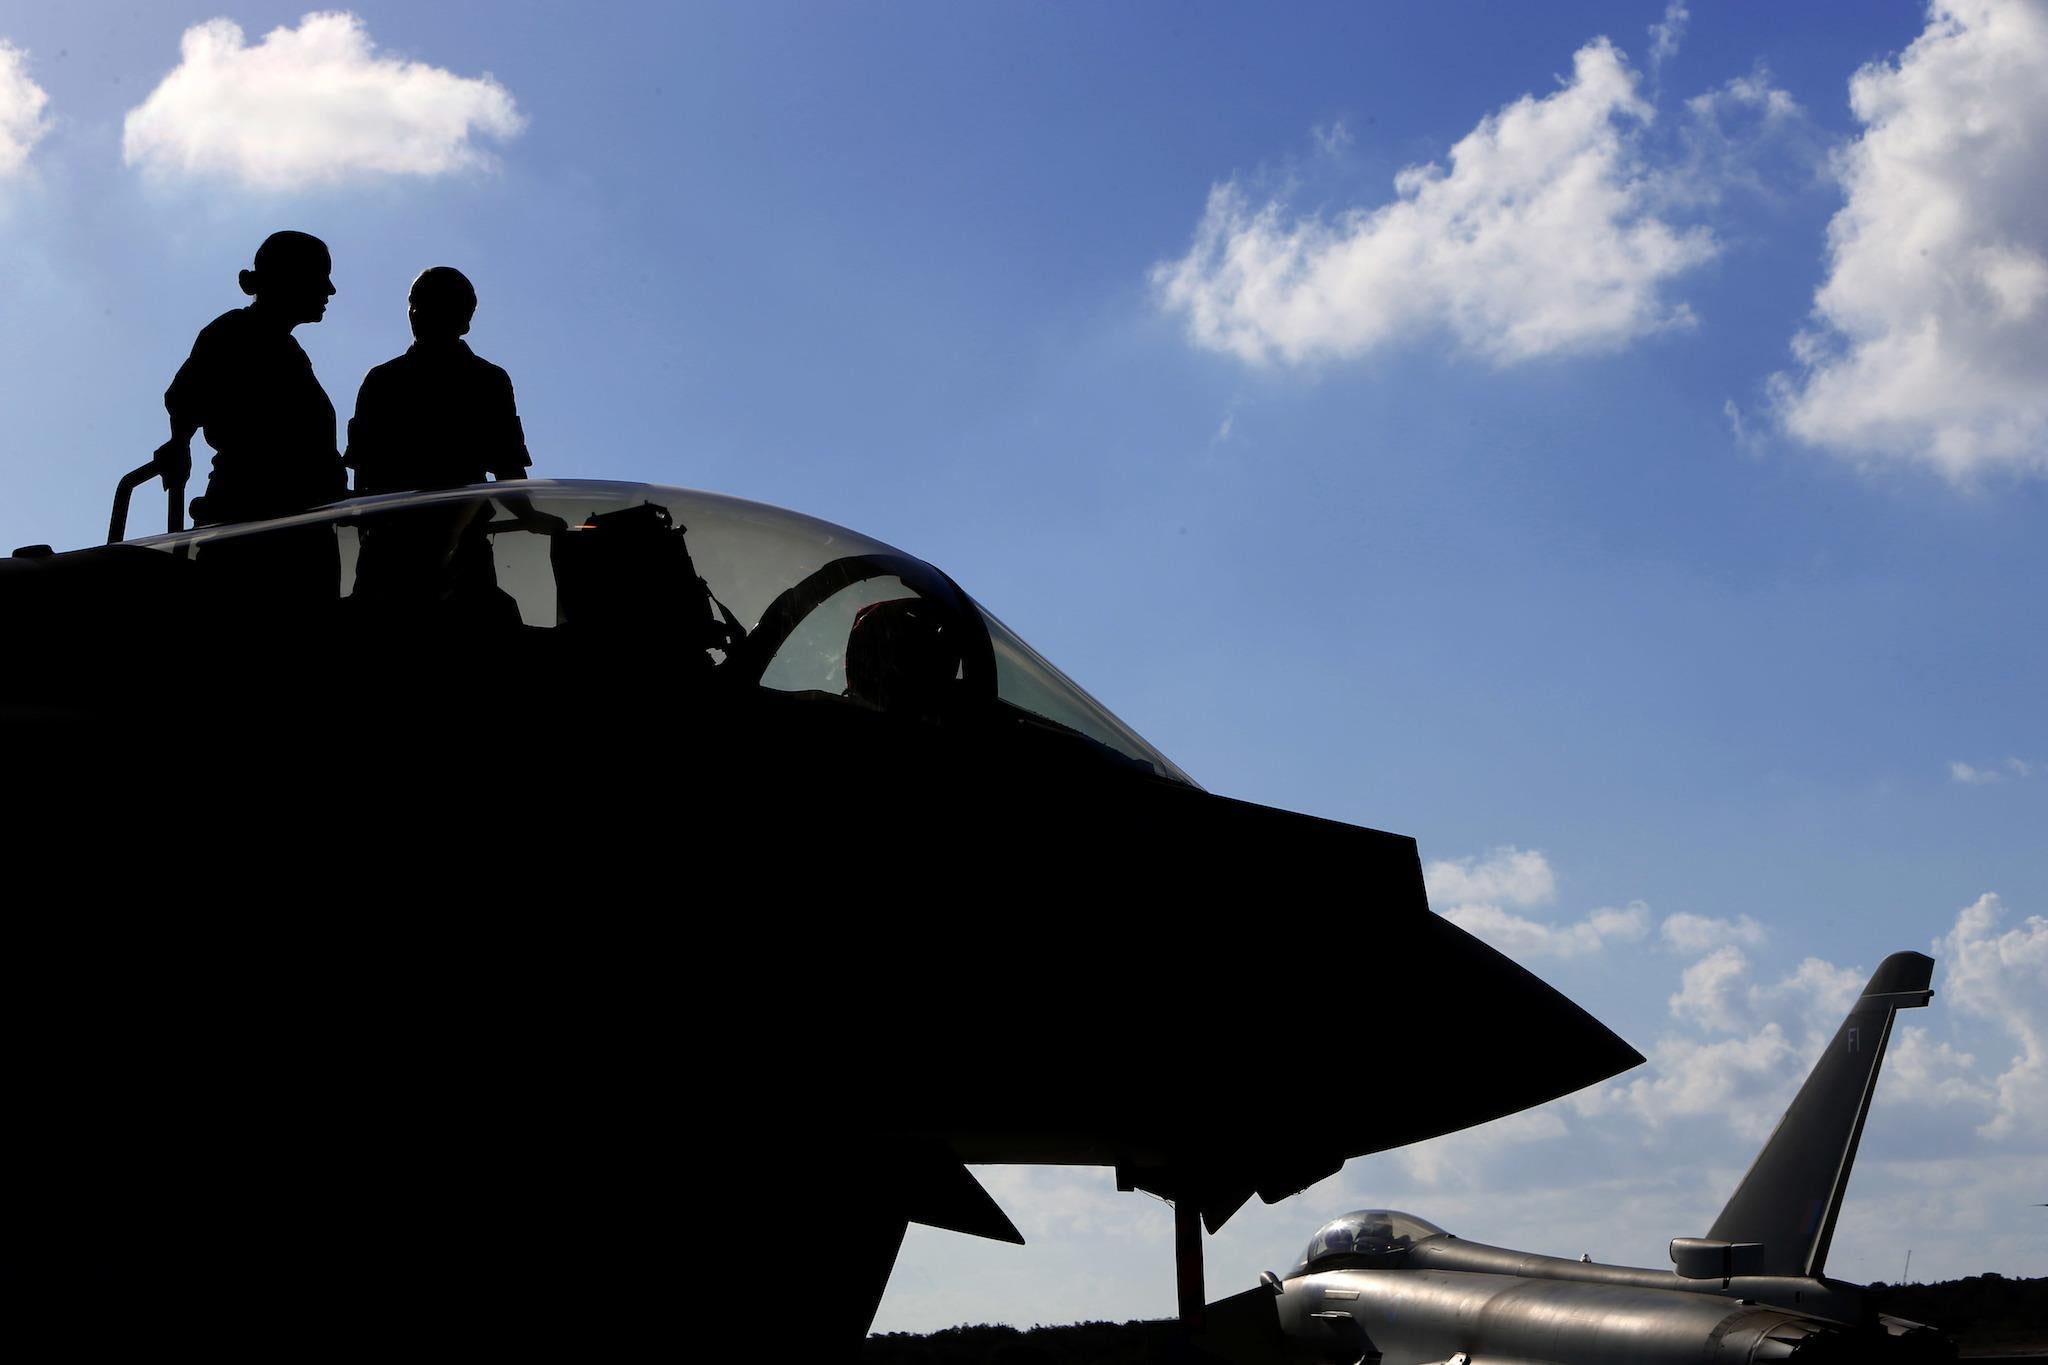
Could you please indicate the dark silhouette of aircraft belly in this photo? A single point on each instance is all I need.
(524, 943)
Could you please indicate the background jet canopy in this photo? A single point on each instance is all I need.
(801, 589)
(1365, 1239)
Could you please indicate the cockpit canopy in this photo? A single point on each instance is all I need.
(1365, 1239)
(714, 586)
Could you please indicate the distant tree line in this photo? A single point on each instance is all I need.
(1986, 1314)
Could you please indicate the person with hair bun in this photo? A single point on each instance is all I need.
(249, 386)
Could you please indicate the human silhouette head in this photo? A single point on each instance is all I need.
(441, 304)
(291, 278)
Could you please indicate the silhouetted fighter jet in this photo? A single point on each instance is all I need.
(1379, 1285)
(568, 916)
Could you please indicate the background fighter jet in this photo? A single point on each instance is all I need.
(581, 872)
(1377, 1285)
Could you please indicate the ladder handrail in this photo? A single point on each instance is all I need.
(117, 524)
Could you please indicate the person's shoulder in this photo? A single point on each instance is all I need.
(485, 371)
(390, 369)
(229, 326)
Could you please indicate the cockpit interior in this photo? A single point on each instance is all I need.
(1364, 1239)
(715, 592)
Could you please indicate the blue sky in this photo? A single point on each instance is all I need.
(1618, 464)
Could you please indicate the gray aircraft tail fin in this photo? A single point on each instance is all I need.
(1790, 1197)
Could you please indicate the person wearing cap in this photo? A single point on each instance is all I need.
(439, 416)
(249, 386)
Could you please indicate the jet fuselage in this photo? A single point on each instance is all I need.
(1508, 1306)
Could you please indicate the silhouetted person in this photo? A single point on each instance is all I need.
(439, 416)
(250, 387)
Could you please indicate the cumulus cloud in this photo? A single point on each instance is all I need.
(1541, 238)
(1747, 134)
(1717, 994)
(310, 105)
(1918, 1070)
(1695, 934)
(1474, 893)
(1706, 993)
(1814, 997)
(1745, 1082)
(1504, 876)
(1521, 937)
(1667, 33)
(1755, 93)
(1927, 332)
(22, 105)
(2003, 978)
(1775, 1028)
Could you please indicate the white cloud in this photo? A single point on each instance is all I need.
(22, 102)
(310, 105)
(1333, 139)
(1755, 93)
(1747, 441)
(1717, 994)
(1928, 329)
(1540, 239)
(1521, 937)
(1666, 34)
(1999, 977)
(1746, 134)
(1918, 1070)
(1505, 876)
(1473, 894)
(1695, 934)
(1814, 998)
(1706, 991)
(1972, 776)
(1745, 1082)
(2003, 978)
